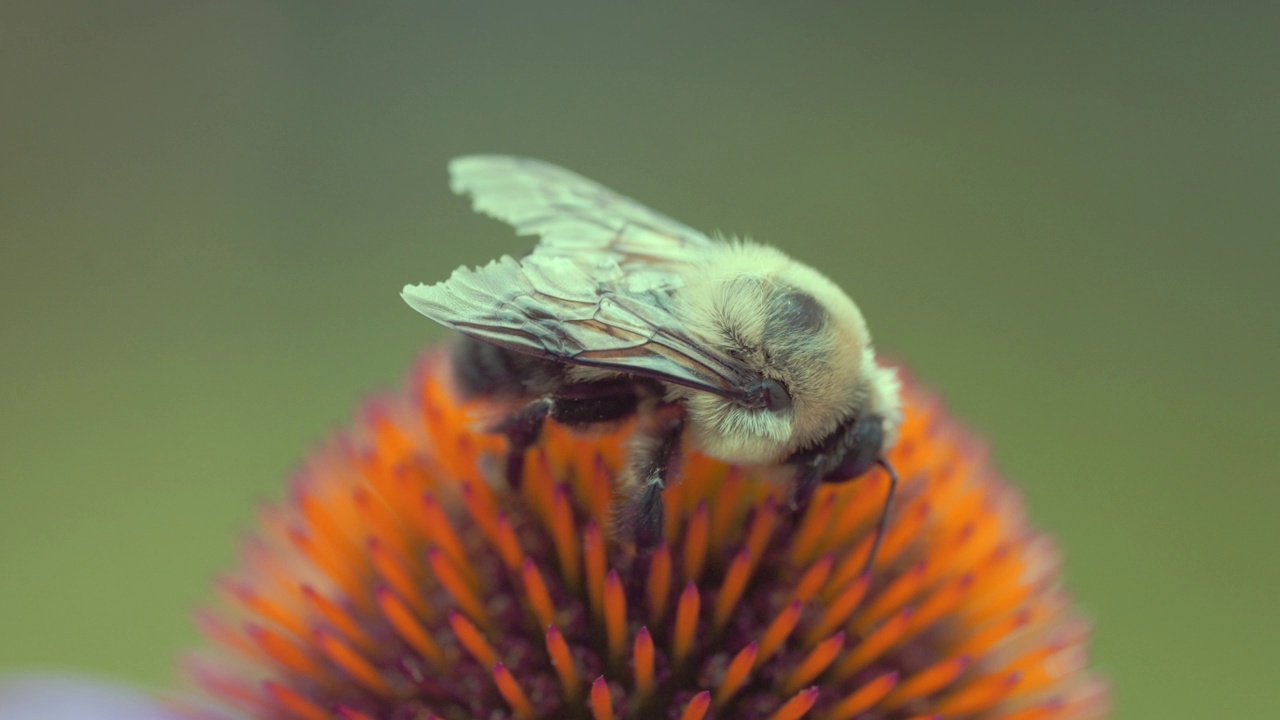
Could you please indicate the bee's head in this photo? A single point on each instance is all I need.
(806, 347)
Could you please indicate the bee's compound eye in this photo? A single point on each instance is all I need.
(868, 441)
(776, 397)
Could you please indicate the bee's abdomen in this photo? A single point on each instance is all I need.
(481, 368)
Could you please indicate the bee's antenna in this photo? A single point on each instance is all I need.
(884, 514)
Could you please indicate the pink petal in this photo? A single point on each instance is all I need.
(63, 697)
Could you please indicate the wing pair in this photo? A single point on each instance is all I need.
(597, 290)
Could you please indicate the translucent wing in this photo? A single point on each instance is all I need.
(594, 314)
(599, 290)
(576, 217)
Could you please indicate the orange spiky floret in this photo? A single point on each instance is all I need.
(401, 580)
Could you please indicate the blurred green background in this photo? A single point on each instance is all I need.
(1064, 217)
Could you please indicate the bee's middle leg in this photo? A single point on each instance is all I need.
(653, 460)
(578, 405)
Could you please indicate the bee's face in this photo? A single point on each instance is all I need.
(804, 339)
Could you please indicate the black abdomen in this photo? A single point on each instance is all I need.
(481, 368)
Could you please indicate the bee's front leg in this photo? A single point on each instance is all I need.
(846, 455)
(805, 484)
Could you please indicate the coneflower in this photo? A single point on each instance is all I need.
(399, 581)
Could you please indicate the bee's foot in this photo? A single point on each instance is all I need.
(650, 515)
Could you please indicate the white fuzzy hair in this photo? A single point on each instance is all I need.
(725, 301)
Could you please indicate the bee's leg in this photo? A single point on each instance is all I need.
(846, 455)
(806, 483)
(883, 523)
(652, 466)
(522, 430)
(577, 405)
